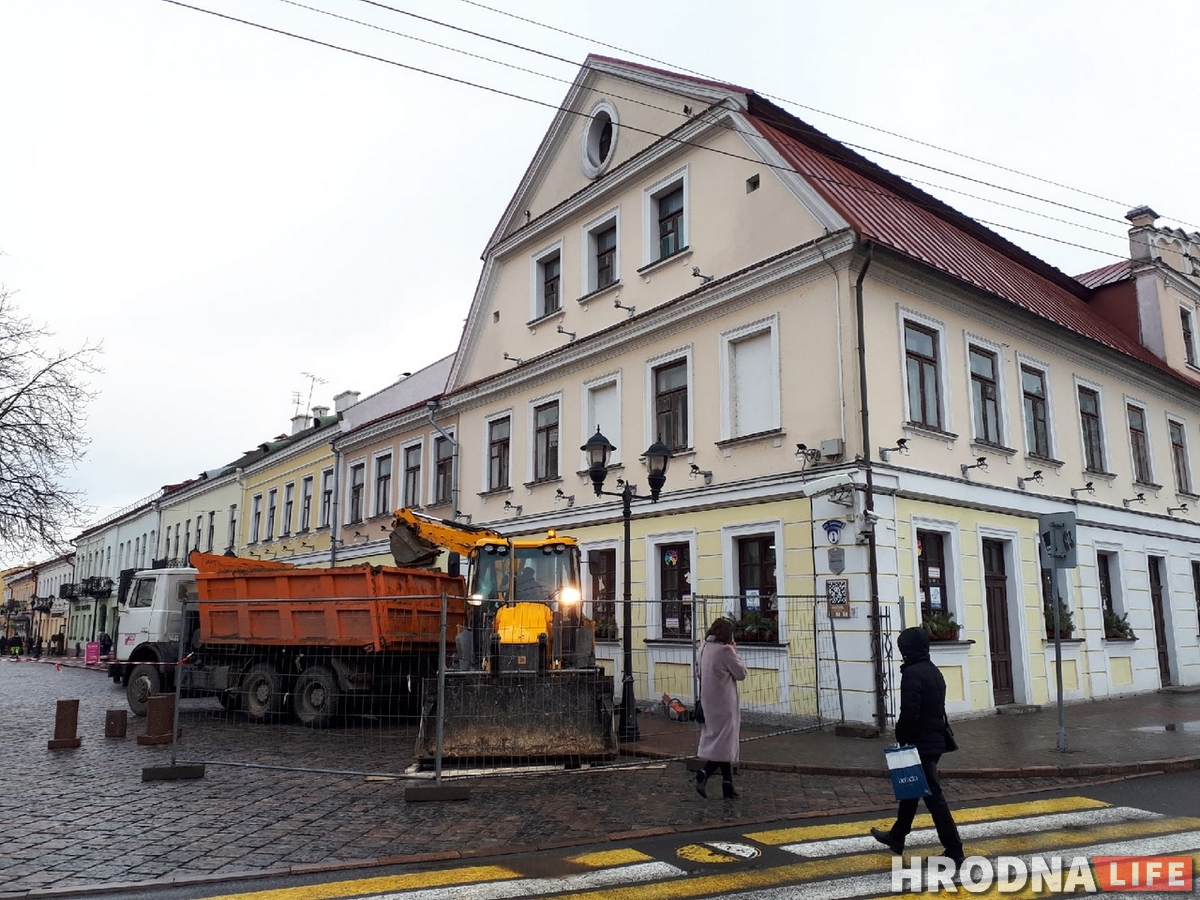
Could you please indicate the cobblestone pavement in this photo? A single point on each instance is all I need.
(283, 798)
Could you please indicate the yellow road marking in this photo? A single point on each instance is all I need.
(603, 858)
(379, 884)
(777, 837)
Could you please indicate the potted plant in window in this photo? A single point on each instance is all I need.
(754, 627)
(940, 626)
(1118, 627)
(606, 629)
(1066, 620)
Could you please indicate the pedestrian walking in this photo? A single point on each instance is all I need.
(922, 723)
(720, 670)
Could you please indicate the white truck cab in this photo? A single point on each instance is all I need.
(148, 626)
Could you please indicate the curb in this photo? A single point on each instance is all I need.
(1116, 770)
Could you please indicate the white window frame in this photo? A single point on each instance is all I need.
(1176, 419)
(590, 138)
(1105, 449)
(323, 520)
(531, 435)
(536, 297)
(949, 529)
(431, 469)
(730, 534)
(588, 268)
(651, 544)
(997, 350)
(1116, 576)
(587, 547)
(1190, 312)
(650, 196)
(946, 408)
(613, 431)
(255, 521)
(288, 509)
(727, 340)
(1043, 369)
(348, 506)
(308, 482)
(649, 398)
(1141, 406)
(413, 502)
(375, 458)
(485, 460)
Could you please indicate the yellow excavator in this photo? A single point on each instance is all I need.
(524, 684)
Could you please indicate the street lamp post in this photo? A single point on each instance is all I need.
(598, 448)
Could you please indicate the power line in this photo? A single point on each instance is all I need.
(841, 118)
(670, 137)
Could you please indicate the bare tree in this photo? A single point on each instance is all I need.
(43, 400)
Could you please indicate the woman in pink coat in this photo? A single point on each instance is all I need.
(720, 670)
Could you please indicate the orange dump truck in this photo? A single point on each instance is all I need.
(266, 637)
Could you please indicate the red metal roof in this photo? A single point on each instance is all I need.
(1110, 274)
(884, 209)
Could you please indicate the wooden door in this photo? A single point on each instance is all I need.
(1154, 564)
(999, 639)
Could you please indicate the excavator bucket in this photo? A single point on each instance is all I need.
(520, 716)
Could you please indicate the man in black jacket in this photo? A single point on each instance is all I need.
(922, 722)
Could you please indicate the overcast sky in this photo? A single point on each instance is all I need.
(227, 208)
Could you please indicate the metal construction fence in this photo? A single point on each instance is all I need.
(412, 709)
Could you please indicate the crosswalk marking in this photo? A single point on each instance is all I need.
(776, 837)
(837, 863)
(927, 837)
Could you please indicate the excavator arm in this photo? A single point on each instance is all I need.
(418, 539)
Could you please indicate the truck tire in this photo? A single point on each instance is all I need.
(230, 700)
(316, 698)
(144, 682)
(262, 692)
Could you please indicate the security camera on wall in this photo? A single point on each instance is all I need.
(819, 486)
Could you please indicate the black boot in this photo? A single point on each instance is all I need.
(885, 838)
(728, 792)
(701, 783)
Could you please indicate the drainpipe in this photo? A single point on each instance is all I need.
(335, 527)
(432, 406)
(869, 505)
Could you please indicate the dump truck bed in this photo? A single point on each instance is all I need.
(374, 608)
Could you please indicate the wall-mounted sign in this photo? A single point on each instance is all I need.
(837, 560)
(837, 595)
(833, 529)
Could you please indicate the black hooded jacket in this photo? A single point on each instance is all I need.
(922, 720)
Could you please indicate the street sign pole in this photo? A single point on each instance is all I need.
(1057, 543)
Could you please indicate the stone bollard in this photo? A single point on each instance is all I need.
(115, 723)
(160, 719)
(66, 721)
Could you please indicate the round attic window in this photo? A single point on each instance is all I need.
(599, 139)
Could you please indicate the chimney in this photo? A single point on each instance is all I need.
(1143, 218)
(345, 400)
(298, 423)
(319, 412)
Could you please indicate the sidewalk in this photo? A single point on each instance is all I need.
(82, 820)
(1147, 733)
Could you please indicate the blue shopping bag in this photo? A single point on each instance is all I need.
(908, 775)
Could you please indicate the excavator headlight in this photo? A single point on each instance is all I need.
(475, 599)
(571, 595)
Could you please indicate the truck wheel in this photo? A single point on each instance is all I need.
(316, 697)
(144, 682)
(262, 692)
